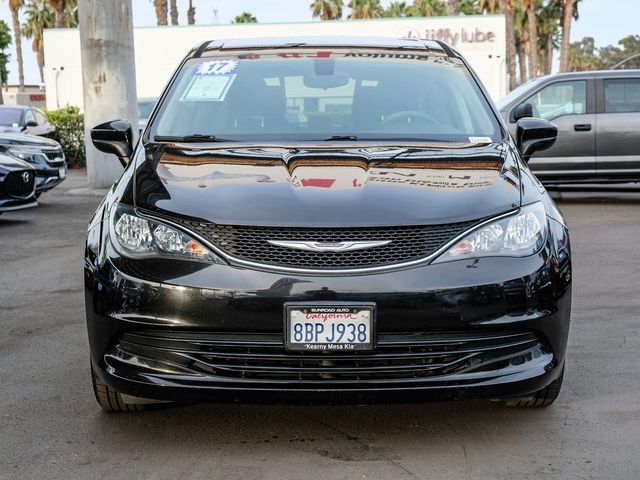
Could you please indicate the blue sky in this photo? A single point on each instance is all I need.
(605, 20)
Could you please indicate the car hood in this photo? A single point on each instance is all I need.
(332, 187)
(28, 140)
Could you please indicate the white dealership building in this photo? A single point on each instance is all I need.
(158, 50)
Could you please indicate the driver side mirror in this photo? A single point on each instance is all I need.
(533, 134)
(31, 124)
(524, 110)
(114, 137)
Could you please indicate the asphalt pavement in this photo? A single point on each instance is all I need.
(51, 426)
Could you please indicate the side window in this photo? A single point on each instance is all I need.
(622, 95)
(29, 117)
(561, 98)
(40, 117)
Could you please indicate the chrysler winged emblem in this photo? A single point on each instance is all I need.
(329, 246)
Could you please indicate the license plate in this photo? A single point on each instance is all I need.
(329, 327)
(62, 172)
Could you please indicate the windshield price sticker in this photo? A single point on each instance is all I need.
(208, 88)
(329, 328)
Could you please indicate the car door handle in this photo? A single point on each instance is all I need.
(582, 127)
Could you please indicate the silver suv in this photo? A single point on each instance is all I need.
(598, 119)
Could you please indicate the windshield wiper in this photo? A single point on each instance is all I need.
(196, 137)
(334, 138)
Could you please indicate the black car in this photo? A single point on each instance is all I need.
(17, 185)
(24, 119)
(44, 154)
(389, 242)
(598, 119)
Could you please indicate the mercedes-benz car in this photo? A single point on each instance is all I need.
(17, 185)
(387, 243)
(44, 154)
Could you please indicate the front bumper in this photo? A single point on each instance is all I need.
(492, 327)
(48, 177)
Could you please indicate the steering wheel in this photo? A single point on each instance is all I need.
(408, 114)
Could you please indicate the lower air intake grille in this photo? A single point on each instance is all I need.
(262, 357)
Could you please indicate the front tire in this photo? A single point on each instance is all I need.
(541, 398)
(111, 400)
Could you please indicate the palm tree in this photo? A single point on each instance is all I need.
(521, 32)
(428, 8)
(174, 12)
(507, 8)
(365, 9)
(245, 17)
(38, 17)
(326, 9)
(191, 13)
(529, 6)
(397, 9)
(548, 26)
(162, 10)
(569, 11)
(15, 6)
(60, 9)
(489, 6)
(453, 7)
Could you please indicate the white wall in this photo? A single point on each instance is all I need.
(160, 49)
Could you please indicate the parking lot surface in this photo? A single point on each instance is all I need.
(51, 426)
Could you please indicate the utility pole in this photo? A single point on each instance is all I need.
(108, 77)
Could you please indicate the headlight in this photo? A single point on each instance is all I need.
(136, 236)
(518, 235)
(25, 153)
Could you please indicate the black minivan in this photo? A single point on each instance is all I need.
(326, 220)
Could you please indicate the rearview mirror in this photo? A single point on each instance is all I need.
(114, 137)
(533, 134)
(524, 110)
(325, 81)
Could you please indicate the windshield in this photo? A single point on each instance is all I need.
(10, 117)
(312, 95)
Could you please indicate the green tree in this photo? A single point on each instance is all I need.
(38, 16)
(365, 9)
(428, 8)
(15, 6)
(626, 57)
(63, 11)
(397, 9)
(583, 55)
(549, 17)
(5, 41)
(326, 9)
(245, 17)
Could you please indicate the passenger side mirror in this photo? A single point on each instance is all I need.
(114, 137)
(524, 110)
(533, 134)
(31, 124)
